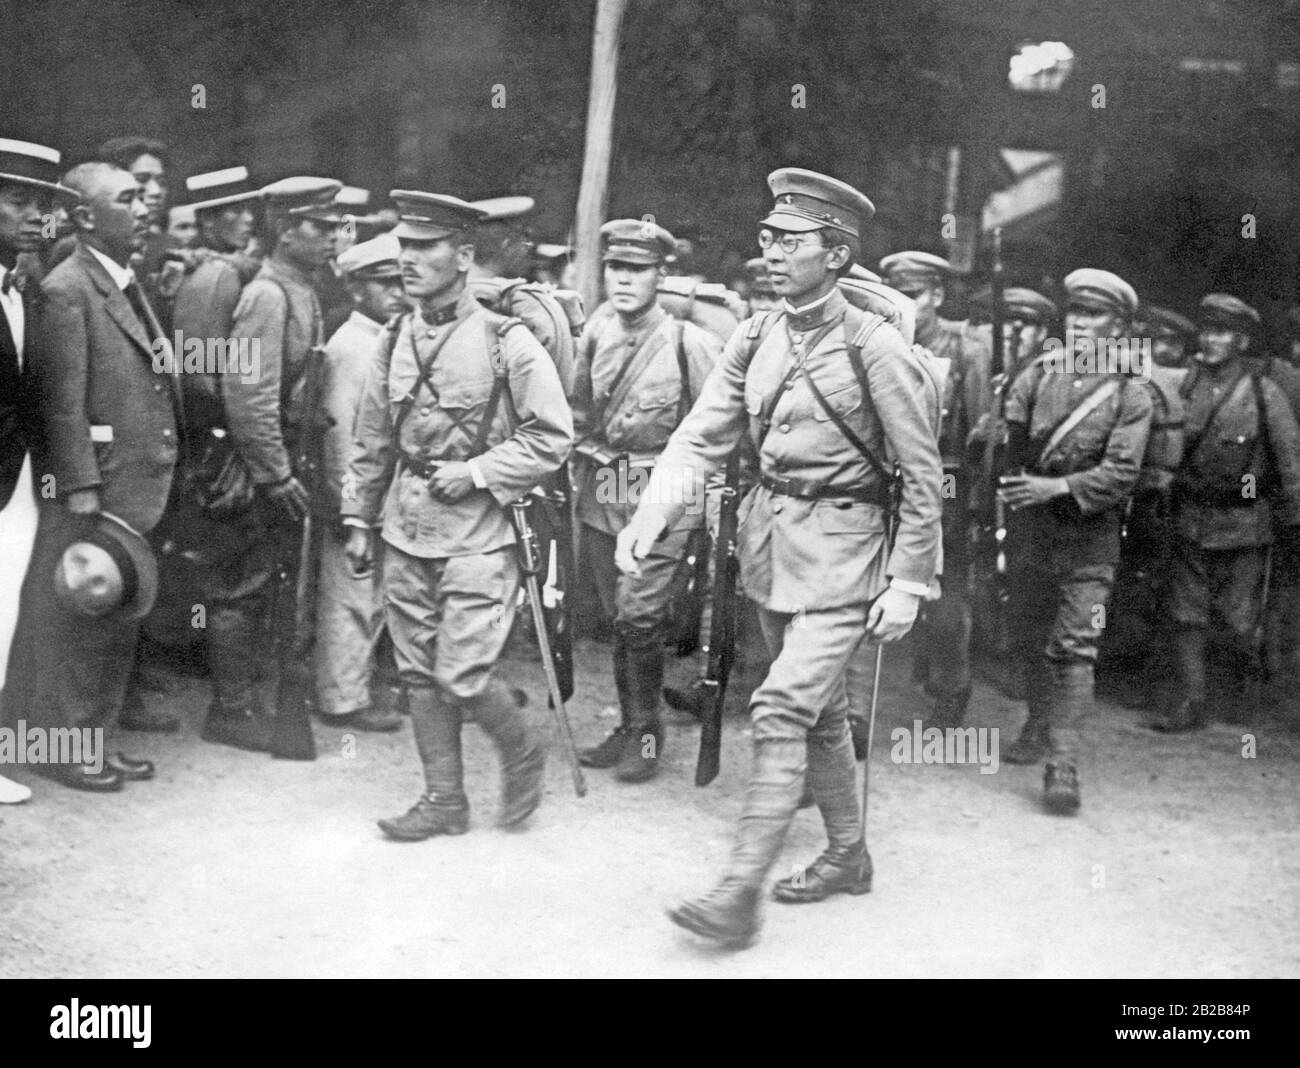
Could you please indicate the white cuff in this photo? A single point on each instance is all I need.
(916, 589)
(479, 481)
(355, 521)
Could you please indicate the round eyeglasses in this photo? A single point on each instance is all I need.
(790, 243)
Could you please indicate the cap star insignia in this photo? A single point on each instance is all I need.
(787, 199)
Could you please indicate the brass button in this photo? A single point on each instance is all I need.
(784, 428)
(776, 507)
(157, 388)
(425, 411)
(167, 433)
(798, 337)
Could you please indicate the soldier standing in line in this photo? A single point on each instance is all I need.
(1078, 429)
(278, 311)
(349, 607)
(462, 414)
(819, 388)
(1236, 501)
(1173, 336)
(964, 355)
(762, 295)
(638, 372)
(1136, 640)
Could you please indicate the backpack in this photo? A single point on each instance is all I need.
(555, 317)
(712, 307)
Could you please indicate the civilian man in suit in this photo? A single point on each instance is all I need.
(110, 431)
(28, 188)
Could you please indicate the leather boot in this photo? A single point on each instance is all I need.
(1061, 788)
(610, 751)
(520, 747)
(241, 728)
(1034, 742)
(727, 914)
(845, 866)
(1071, 704)
(1184, 709)
(643, 745)
(444, 808)
(771, 800)
(949, 709)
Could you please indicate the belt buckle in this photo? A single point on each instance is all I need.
(781, 486)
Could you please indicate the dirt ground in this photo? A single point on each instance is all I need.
(1183, 862)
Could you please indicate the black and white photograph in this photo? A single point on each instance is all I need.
(678, 489)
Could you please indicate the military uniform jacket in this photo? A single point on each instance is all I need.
(1168, 425)
(1241, 472)
(348, 356)
(816, 554)
(204, 307)
(530, 436)
(109, 419)
(280, 310)
(966, 356)
(1099, 459)
(651, 399)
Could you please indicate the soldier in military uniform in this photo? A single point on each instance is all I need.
(463, 412)
(943, 637)
(1078, 430)
(762, 295)
(277, 311)
(1173, 336)
(502, 256)
(349, 607)
(1135, 640)
(1236, 502)
(638, 372)
(819, 388)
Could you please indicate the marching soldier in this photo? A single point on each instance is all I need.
(762, 295)
(1236, 497)
(349, 607)
(462, 413)
(1135, 640)
(501, 260)
(943, 645)
(279, 312)
(819, 388)
(1078, 429)
(1173, 336)
(638, 372)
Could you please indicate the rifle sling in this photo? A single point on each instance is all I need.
(626, 377)
(1194, 442)
(1077, 415)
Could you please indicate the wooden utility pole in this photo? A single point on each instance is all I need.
(593, 192)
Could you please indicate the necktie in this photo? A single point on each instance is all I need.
(135, 295)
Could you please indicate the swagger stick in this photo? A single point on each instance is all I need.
(891, 526)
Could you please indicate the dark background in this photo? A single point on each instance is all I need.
(1199, 128)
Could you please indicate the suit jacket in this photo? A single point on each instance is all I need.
(110, 418)
(18, 423)
(815, 554)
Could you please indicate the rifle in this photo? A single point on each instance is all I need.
(690, 605)
(989, 531)
(297, 575)
(891, 530)
(1259, 667)
(556, 536)
(706, 694)
(530, 564)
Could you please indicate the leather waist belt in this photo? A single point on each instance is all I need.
(818, 491)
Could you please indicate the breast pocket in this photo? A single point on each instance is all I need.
(844, 398)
